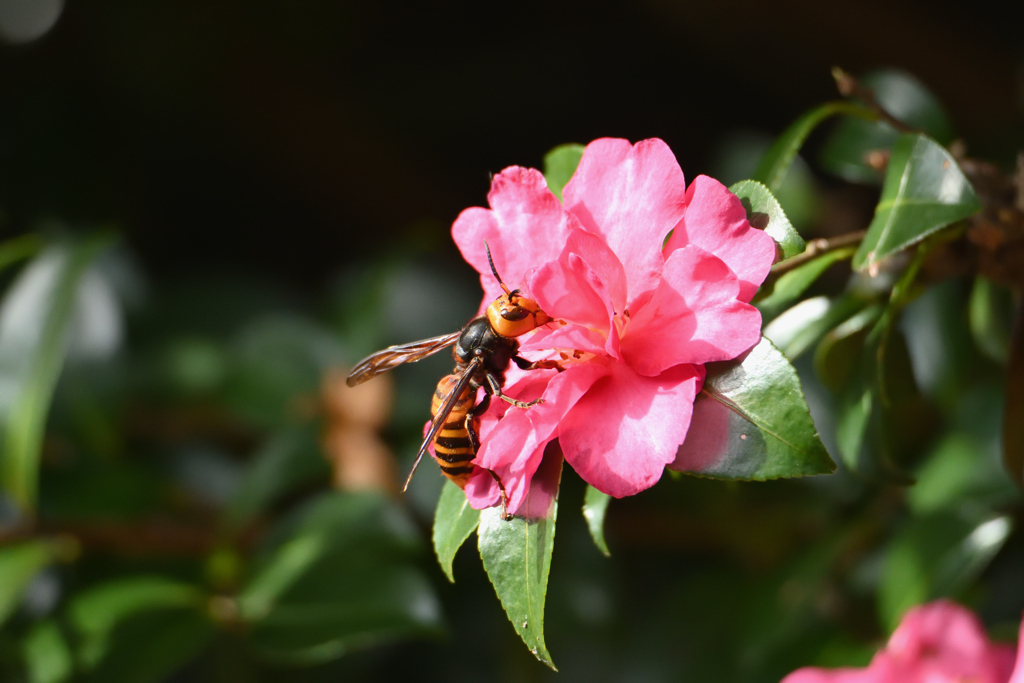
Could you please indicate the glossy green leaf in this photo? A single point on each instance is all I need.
(990, 314)
(751, 422)
(48, 659)
(799, 328)
(936, 556)
(788, 288)
(18, 248)
(901, 95)
(35, 321)
(864, 395)
(454, 520)
(765, 213)
(854, 416)
(559, 165)
(286, 460)
(838, 355)
(339, 574)
(595, 505)
(19, 563)
(737, 158)
(882, 390)
(516, 555)
(776, 161)
(924, 191)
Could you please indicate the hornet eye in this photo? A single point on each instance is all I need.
(515, 313)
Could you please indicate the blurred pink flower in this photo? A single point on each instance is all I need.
(652, 278)
(941, 642)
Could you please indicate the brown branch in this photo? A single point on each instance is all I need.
(816, 248)
(1018, 183)
(850, 87)
(151, 538)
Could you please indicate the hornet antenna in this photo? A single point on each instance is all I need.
(493, 269)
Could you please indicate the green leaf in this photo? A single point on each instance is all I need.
(924, 191)
(286, 460)
(882, 385)
(18, 248)
(991, 312)
(340, 574)
(765, 213)
(791, 285)
(595, 505)
(902, 96)
(838, 356)
(148, 647)
(936, 556)
(275, 359)
(776, 161)
(799, 328)
(108, 619)
(855, 411)
(751, 422)
(96, 611)
(454, 521)
(516, 555)
(35, 321)
(961, 469)
(48, 658)
(559, 165)
(19, 564)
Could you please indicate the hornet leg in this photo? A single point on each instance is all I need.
(474, 439)
(495, 389)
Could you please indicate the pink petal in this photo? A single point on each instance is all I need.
(525, 226)
(623, 432)
(482, 490)
(1018, 671)
(514, 448)
(632, 196)
(570, 290)
(943, 639)
(692, 317)
(604, 263)
(816, 675)
(941, 627)
(543, 490)
(716, 221)
(568, 337)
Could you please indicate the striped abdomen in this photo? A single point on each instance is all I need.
(453, 448)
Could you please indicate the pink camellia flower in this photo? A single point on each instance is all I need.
(652, 279)
(941, 642)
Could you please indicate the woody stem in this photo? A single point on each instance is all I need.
(816, 248)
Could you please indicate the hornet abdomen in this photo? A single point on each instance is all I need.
(454, 445)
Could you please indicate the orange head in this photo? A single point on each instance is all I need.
(512, 314)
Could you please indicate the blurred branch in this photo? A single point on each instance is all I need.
(153, 538)
(816, 248)
(849, 86)
(993, 244)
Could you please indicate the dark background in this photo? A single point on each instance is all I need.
(289, 139)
